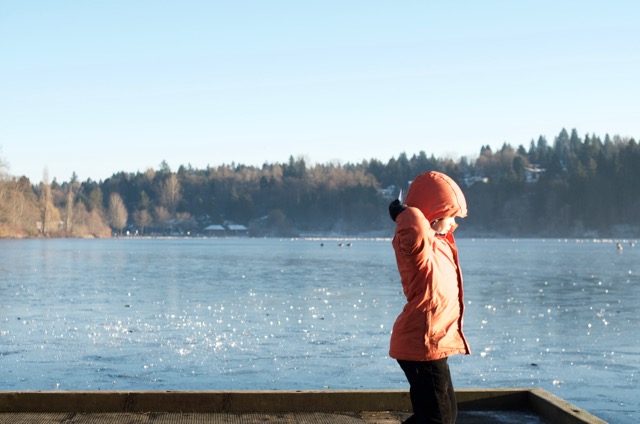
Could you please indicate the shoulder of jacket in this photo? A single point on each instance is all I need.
(410, 215)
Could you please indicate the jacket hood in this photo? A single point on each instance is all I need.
(437, 196)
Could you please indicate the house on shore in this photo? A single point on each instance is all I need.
(532, 173)
(225, 230)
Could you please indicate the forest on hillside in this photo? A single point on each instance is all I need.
(569, 187)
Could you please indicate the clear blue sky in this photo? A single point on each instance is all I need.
(98, 87)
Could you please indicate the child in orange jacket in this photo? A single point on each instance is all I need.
(429, 328)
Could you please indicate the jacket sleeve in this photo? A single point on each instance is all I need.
(410, 232)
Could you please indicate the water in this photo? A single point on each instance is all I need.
(235, 314)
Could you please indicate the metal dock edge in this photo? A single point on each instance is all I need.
(540, 402)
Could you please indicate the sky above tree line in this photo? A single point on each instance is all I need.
(101, 87)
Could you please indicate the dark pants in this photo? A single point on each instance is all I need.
(432, 396)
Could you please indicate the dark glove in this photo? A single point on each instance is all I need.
(396, 208)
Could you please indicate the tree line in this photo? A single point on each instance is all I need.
(572, 186)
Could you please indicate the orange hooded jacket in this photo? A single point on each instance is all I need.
(430, 325)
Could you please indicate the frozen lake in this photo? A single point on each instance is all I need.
(234, 314)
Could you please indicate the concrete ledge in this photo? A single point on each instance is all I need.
(539, 401)
(557, 410)
(203, 401)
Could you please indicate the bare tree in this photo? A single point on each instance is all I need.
(89, 223)
(72, 189)
(96, 226)
(118, 214)
(162, 215)
(68, 212)
(19, 206)
(49, 214)
(142, 219)
(170, 193)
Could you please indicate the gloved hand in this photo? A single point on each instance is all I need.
(396, 208)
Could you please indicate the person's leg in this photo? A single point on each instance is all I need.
(451, 395)
(431, 391)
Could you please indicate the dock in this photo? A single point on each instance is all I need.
(476, 406)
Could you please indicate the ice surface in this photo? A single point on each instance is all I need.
(196, 314)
